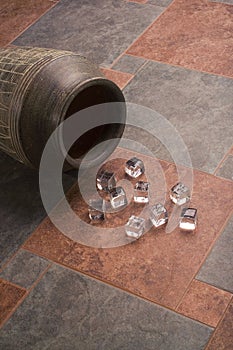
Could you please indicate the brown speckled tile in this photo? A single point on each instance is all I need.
(17, 15)
(119, 78)
(205, 303)
(55, 246)
(195, 34)
(10, 295)
(231, 151)
(222, 338)
(159, 266)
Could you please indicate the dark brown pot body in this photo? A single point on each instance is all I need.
(40, 88)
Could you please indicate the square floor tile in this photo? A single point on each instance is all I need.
(24, 269)
(204, 303)
(159, 266)
(198, 105)
(69, 311)
(195, 34)
(10, 295)
(100, 32)
(226, 169)
(217, 269)
(17, 15)
(222, 339)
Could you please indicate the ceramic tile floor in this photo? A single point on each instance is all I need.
(166, 290)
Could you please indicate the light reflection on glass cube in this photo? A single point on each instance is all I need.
(135, 227)
(96, 210)
(141, 192)
(188, 219)
(105, 181)
(158, 215)
(180, 194)
(134, 167)
(118, 197)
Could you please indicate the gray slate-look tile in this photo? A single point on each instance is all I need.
(226, 169)
(99, 30)
(24, 269)
(163, 3)
(199, 106)
(230, 2)
(21, 208)
(129, 64)
(69, 311)
(217, 269)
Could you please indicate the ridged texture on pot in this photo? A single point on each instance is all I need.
(36, 87)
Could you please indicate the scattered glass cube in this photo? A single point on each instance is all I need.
(105, 181)
(158, 215)
(141, 192)
(118, 197)
(96, 210)
(188, 219)
(180, 194)
(134, 167)
(135, 227)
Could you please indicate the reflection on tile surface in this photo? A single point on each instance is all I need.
(119, 78)
(226, 170)
(200, 38)
(24, 269)
(100, 33)
(205, 303)
(69, 311)
(129, 64)
(9, 297)
(223, 336)
(17, 15)
(199, 106)
(217, 269)
(159, 266)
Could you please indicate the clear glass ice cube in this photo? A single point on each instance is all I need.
(158, 215)
(141, 192)
(105, 181)
(118, 197)
(188, 219)
(134, 167)
(135, 227)
(96, 210)
(180, 194)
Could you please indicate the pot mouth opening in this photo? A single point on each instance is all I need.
(96, 92)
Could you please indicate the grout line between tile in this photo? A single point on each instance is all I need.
(178, 165)
(203, 261)
(33, 22)
(143, 32)
(40, 277)
(181, 66)
(222, 161)
(16, 305)
(27, 292)
(9, 260)
(125, 290)
(14, 285)
(218, 324)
